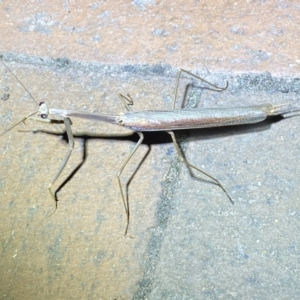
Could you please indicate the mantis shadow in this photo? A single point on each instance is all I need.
(158, 137)
(151, 138)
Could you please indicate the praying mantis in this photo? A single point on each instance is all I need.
(156, 120)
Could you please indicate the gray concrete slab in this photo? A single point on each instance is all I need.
(188, 241)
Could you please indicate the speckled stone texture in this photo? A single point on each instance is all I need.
(185, 240)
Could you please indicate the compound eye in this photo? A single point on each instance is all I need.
(43, 111)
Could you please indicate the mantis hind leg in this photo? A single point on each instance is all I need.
(212, 87)
(189, 165)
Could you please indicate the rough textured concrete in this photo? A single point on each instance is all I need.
(186, 241)
(224, 35)
(80, 249)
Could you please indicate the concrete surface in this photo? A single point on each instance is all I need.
(244, 36)
(186, 241)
